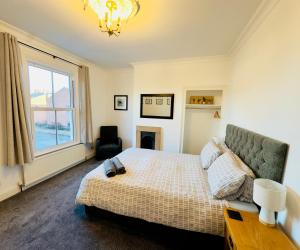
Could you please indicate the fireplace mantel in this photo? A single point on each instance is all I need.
(156, 130)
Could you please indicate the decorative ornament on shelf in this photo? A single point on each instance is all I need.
(201, 100)
(113, 14)
(217, 115)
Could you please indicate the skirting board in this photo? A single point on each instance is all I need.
(25, 187)
(10, 193)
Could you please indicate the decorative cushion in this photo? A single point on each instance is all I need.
(209, 154)
(225, 176)
(222, 145)
(247, 190)
(244, 166)
(237, 195)
(246, 193)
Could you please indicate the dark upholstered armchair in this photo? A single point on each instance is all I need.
(109, 144)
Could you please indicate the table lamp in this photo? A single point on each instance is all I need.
(271, 196)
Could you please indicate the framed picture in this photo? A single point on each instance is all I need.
(159, 101)
(148, 101)
(157, 106)
(121, 102)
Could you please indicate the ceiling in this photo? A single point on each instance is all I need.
(163, 29)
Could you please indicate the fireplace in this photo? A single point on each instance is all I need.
(148, 137)
(147, 140)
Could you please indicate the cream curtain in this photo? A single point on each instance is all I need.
(17, 140)
(86, 129)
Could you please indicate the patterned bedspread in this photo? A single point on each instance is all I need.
(160, 187)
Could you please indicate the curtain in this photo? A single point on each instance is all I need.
(86, 129)
(15, 123)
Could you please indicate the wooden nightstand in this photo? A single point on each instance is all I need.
(251, 234)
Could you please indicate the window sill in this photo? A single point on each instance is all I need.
(49, 152)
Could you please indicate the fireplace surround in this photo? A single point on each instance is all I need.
(148, 137)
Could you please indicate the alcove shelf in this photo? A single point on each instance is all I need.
(201, 121)
(203, 106)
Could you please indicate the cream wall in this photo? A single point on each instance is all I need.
(265, 94)
(175, 77)
(200, 126)
(121, 83)
(11, 177)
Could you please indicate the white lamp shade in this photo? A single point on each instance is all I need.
(269, 194)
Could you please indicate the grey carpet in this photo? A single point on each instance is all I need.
(46, 217)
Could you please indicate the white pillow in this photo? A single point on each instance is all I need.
(209, 154)
(217, 140)
(225, 176)
(244, 166)
(245, 193)
(220, 143)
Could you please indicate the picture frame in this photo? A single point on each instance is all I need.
(159, 101)
(121, 102)
(157, 106)
(148, 101)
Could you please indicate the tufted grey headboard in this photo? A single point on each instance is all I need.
(265, 156)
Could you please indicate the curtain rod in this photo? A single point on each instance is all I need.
(49, 54)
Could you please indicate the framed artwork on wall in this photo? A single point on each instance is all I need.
(121, 102)
(157, 106)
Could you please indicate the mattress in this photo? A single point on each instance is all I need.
(160, 187)
(243, 206)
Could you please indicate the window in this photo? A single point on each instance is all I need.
(52, 106)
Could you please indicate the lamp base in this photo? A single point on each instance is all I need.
(267, 224)
(267, 217)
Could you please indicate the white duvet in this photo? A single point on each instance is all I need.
(165, 188)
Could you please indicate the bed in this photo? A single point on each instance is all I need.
(172, 189)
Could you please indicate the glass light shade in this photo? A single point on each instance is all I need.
(113, 13)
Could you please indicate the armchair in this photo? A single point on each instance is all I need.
(109, 144)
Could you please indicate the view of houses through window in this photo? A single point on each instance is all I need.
(52, 108)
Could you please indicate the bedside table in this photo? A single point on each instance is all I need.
(251, 234)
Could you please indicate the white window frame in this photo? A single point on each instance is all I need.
(74, 98)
